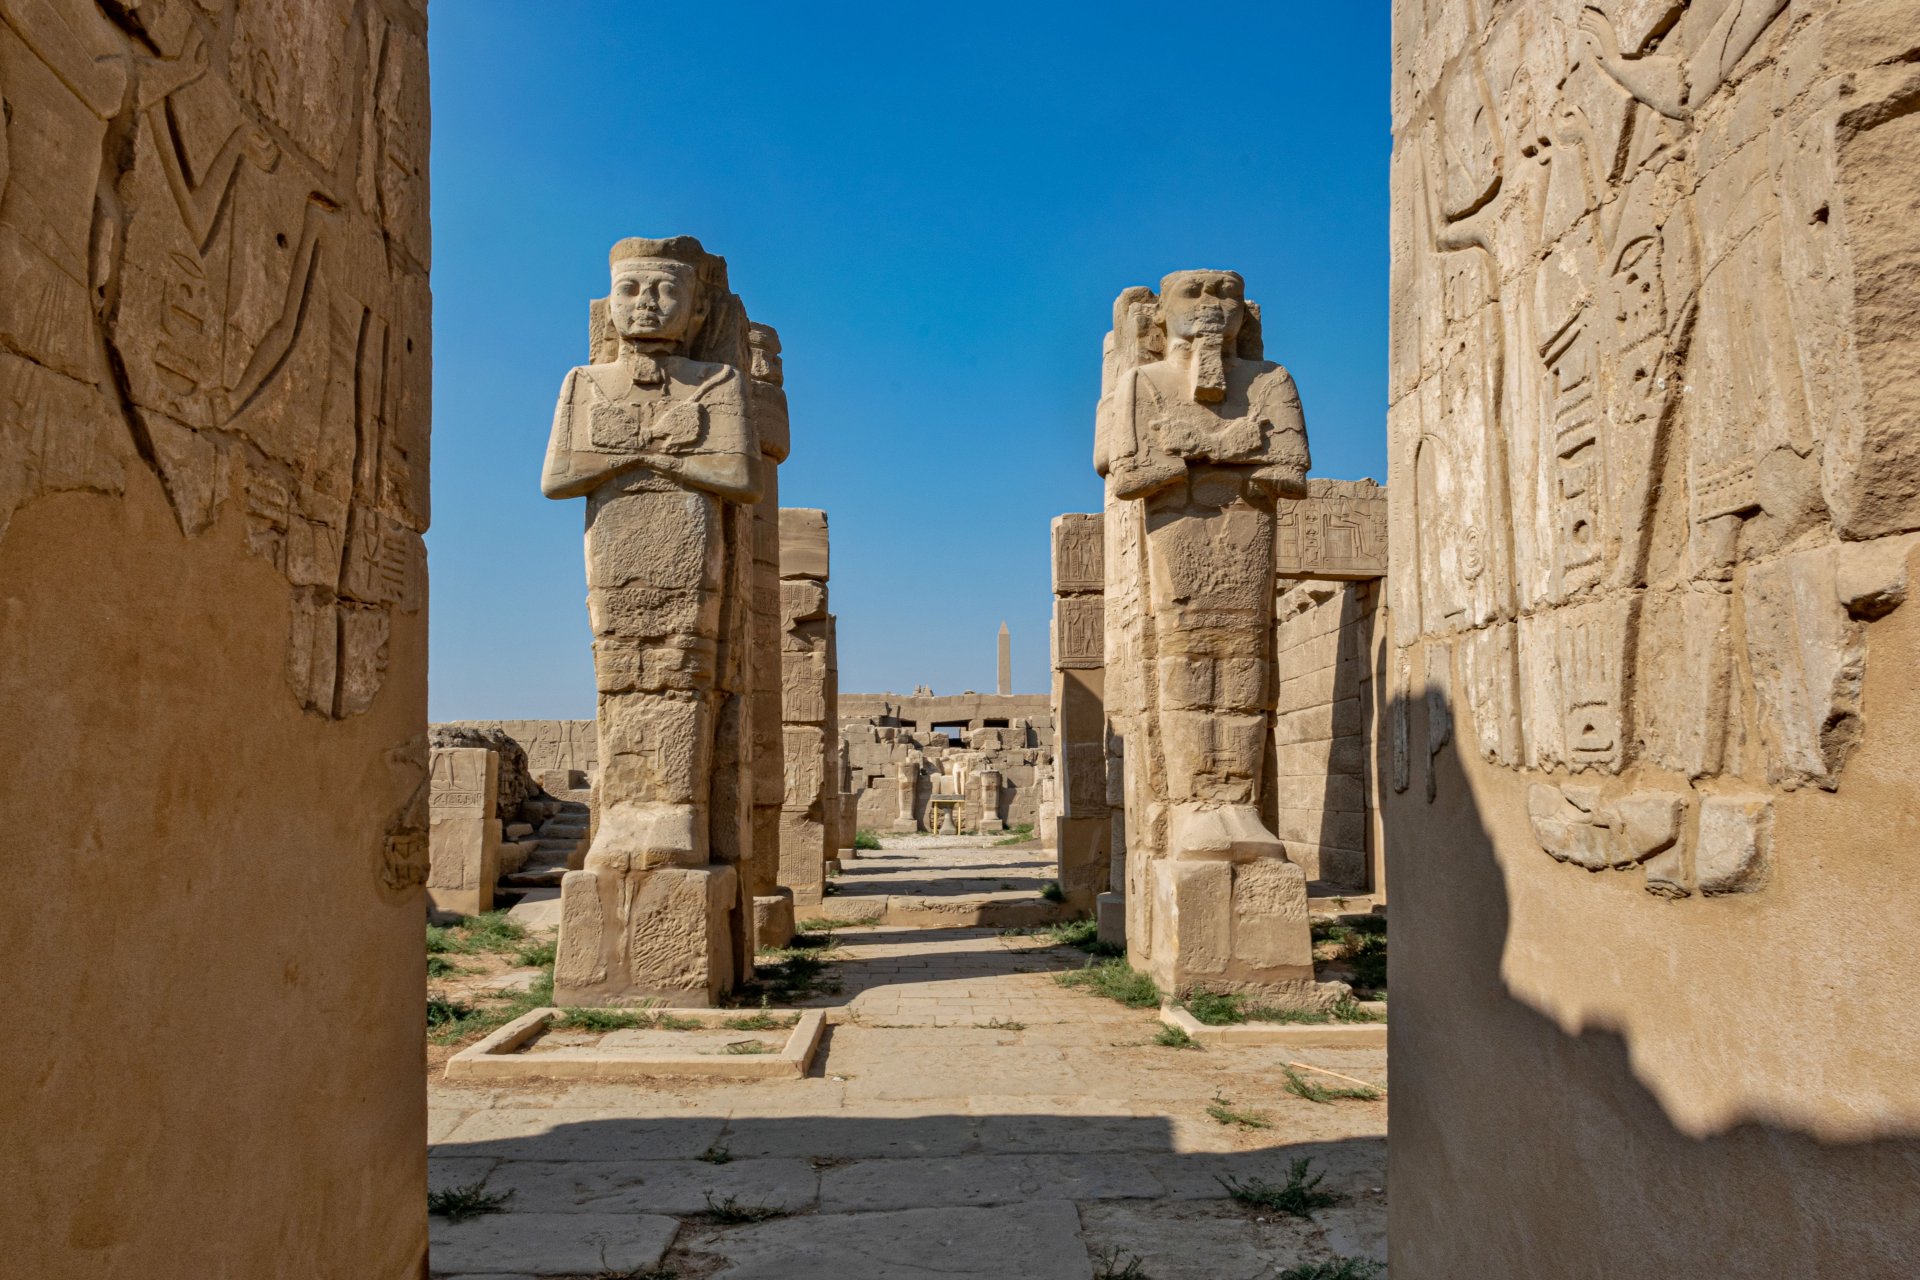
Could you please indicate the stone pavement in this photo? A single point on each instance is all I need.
(967, 1116)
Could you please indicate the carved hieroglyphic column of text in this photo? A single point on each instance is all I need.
(1082, 828)
(772, 905)
(464, 830)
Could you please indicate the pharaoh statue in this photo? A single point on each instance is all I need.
(656, 434)
(1198, 436)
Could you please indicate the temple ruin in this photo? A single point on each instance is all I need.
(745, 976)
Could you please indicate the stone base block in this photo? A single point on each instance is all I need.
(902, 827)
(991, 826)
(663, 934)
(773, 921)
(1110, 916)
(1082, 859)
(447, 903)
(1231, 926)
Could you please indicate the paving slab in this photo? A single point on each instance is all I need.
(983, 1179)
(1039, 1241)
(549, 1244)
(558, 1133)
(654, 1186)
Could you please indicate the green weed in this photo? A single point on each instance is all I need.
(864, 839)
(537, 955)
(1301, 1087)
(1169, 1037)
(1225, 1113)
(716, 1154)
(1116, 980)
(1112, 1268)
(1299, 1198)
(1016, 835)
(458, 1203)
(729, 1212)
(749, 1048)
(607, 1019)
(1338, 1269)
(1052, 891)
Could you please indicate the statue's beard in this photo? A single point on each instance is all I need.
(1207, 367)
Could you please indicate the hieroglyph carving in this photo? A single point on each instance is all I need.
(659, 440)
(1651, 414)
(1339, 530)
(1198, 435)
(210, 282)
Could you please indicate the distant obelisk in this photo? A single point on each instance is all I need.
(1006, 662)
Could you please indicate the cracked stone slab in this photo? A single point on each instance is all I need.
(1039, 1241)
(549, 1244)
(560, 1133)
(653, 1186)
(984, 1180)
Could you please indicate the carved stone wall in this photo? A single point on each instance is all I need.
(1655, 451)
(214, 419)
(1083, 829)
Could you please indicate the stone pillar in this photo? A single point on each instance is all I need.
(1197, 436)
(464, 835)
(805, 712)
(216, 390)
(657, 433)
(1654, 452)
(773, 917)
(1082, 828)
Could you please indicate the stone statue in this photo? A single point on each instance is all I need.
(657, 436)
(1198, 436)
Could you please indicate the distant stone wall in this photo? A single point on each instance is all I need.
(974, 709)
(550, 744)
(1322, 730)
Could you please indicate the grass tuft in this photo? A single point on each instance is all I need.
(1116, 980)
(1301, 1087)
(458, 1203)
(716, 1154)
(1168, 1037)
(440, 967)
(748, 1048)
(442, 1012)
(1298, 1199)
(1225, 1112)
(1337, 1269)
(864, 839)
(1110, 1266)
(1016, 835)
(458, 1021)
(607, 1019)
(1216, 1009)
(536, 955)
(1052, 891)
(729, 1212)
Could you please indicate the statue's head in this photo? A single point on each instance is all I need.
(657, 295)
(764, 343)
(1204, 304)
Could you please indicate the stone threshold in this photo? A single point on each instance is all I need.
(965, 911)
(498, 1057)
(1298, 1035)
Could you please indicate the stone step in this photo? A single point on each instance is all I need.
(555, 846)
(564, 831)
(535, 877)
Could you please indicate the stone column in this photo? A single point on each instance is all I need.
(658, 435)
(464, 830)
(986, 799)
(773, 918)
(804, 710)
(1197, 435)
(1082, 830)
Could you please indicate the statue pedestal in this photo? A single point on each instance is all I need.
(657, 934)
(1233, 926)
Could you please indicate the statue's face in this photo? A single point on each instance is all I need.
(653, 301)
(1200, 304)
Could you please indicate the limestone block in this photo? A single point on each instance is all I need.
(1270, 934)
(659, 934)
(773, 920)
(803, 543)
(1078, 561)
(1339, 530)
(1576, 824)
(1079, 630)
(1808, 661)
(464, 837)
(1734, 850)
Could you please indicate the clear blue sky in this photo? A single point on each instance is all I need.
(935, 205)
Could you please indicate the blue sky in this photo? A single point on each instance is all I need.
(935, 205)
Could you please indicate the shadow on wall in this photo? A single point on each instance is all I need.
(1521, 1150)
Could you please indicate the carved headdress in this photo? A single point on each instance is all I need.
(721, 334)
